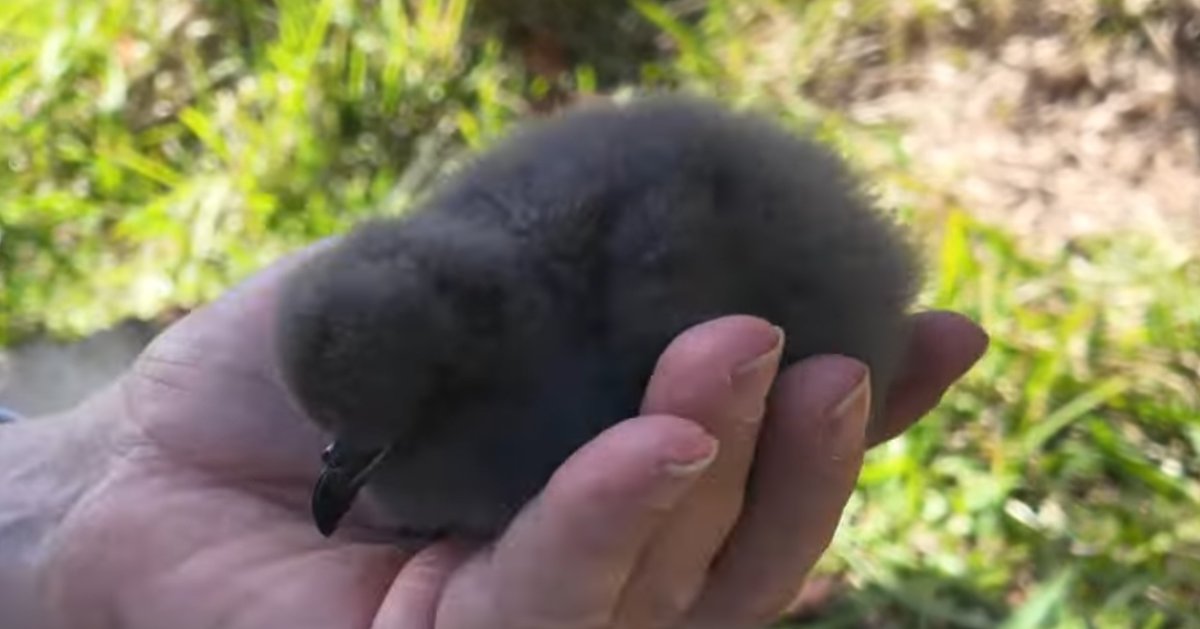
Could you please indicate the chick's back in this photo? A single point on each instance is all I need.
(656, 216)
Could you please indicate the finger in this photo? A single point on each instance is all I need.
(809, 457)
(717, 374)
(565, 559)
(412, 601)
(943, 347)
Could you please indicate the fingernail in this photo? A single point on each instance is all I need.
(693, 457)
(981, 343)
(752, 379)
(846, 422)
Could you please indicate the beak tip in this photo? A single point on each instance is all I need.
(342, 476)
(326, 527)
(331, 498)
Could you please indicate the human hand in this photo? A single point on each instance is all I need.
(198, 515)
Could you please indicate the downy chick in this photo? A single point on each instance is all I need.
(460, 354)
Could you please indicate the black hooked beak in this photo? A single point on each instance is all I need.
(342, 477)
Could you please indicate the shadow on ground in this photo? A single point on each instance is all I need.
(41, 377)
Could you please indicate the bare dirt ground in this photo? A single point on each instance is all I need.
(1051, 141)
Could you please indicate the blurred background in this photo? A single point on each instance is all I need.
(153, 153)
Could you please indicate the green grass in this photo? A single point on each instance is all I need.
(156, 154)
(153, 153)
(1059, 483)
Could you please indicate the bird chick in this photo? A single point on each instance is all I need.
(460, 354)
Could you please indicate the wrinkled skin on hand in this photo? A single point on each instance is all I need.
(195, 510)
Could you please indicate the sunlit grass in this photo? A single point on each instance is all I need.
(156, 154)
(1059, 483)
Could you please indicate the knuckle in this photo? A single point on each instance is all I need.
(764, 609)
(549, 618)
(659, 609)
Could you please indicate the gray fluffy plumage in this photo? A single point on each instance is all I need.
(521, 311)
